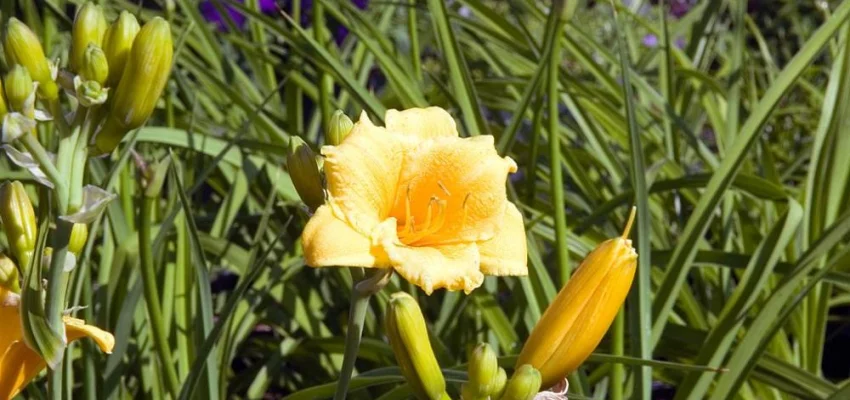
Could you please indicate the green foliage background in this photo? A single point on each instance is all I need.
(733, 147)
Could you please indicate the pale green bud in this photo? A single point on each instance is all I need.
(305, 174)
(338, 128)
(19, 88)
(408, 337)
(117, 43)
(499, 384)
(95, 67)
(143, 80)
(4, 108)
(483, 369)
(23, 48)
(9, 274)
(524, 385)
(89, 27)
(18, 218)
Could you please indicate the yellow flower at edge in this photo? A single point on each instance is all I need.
(415, 197)
(18, 363)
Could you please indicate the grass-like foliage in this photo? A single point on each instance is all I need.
(724, 122)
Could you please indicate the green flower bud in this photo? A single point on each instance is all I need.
(9, 274)
(409, 340)
(304, 172)
(117, 43)
(94, 67)
(89, 27)
(79, 235)
(23, 48)
(524, 385)
(483, 369)
(338, 128)
(19, 88)
(18, 218)
(499, 384)
(146, 72)
(4, 109)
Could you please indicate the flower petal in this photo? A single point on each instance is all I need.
(18, 366)
(462, 181)
(362, 174)
(329, 241)
(506, 253)
(424, 123)
(77, 328)
(452, 267)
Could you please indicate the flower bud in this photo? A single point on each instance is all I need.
(499, 384)
(19, 88)
(574, 324)
(117, 43)
(4, 109)
(304, 172)
(483, 370)
(147, 68)
(338, 128)
(18, 218)
(9, 274)
(89, 27)
(94, 66)
(524, 385)
(23, 48)
(79, 234)
(409, 340)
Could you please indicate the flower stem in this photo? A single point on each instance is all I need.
(360, 296)
(160, 338)
(39, 154)
(56, 287)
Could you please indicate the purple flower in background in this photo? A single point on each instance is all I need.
(210, 12)
(650, 40)
(678, 8)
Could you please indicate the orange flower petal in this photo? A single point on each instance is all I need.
(462, 181)
(424, 123)
(18, 367)
(328, 241)
(362, 174)
(77, 328)
(453, 267)
(506, 253)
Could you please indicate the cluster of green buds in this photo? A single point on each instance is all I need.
(305, 167)
(100, 57)
(18, 219)
(408, 337)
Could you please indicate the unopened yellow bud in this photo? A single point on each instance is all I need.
(499, 384)
(79, 235)
(409, 340)
(117, 43)
(524, 385)
(18, 218)
(23, 48)
(89, 27)
(304, 172)
(9, 274)
(574, 324)
(338, 128)
(94, 67)
(143, 80)
(18, 88)
(483, 370)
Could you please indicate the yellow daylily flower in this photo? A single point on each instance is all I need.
(18, 363)
(415, 197)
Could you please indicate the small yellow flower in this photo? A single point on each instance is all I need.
(574, 324)
(415, 197)
(18, 363)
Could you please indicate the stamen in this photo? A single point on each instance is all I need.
(408, 218)
(443, 187)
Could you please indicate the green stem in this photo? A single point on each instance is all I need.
(618, 372)
(413, 34)
(39, 154)
(160, 338)
(360, 296)
(59, 118)
(78, 162)
(556, 170)
(56, 287)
